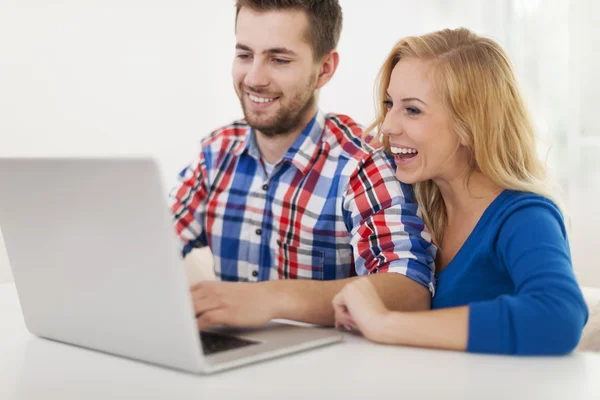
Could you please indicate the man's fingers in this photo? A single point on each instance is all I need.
(206, 288)
(197, 287)
(204, 298)
(204, 304)
(209, 318)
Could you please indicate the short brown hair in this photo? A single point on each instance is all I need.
(325, 19)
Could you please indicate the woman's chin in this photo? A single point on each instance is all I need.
(409, 179)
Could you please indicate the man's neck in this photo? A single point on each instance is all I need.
(273, 148)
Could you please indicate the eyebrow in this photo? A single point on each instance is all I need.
(407, 98)
(274, 50)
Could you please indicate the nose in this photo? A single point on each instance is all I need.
(257, 75)
(391, 126)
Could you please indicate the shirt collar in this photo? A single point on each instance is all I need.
(304, 149)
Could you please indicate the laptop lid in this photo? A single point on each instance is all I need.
(93, 255)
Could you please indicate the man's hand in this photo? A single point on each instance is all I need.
(233, 304)
(254, 304)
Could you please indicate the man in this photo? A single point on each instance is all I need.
(288, 197)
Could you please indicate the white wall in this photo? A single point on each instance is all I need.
(114, 77)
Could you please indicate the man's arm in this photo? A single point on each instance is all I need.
(253, 304)
(310, 301)
(386, 232)
(188, 205)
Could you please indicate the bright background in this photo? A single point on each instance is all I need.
(152, 77)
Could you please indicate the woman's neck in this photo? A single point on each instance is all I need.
(467, 193)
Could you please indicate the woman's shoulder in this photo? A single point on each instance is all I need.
(527, 212)
(524, 204)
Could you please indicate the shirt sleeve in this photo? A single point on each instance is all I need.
(188, 204)
(387, 235)
(547, 312)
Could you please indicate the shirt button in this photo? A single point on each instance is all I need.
(255, 273)
(265, 186)
(259, 231)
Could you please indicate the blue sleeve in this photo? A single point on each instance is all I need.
(547, 312)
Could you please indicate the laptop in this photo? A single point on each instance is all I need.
(96, 264)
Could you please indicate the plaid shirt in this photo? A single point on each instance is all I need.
(329, 210)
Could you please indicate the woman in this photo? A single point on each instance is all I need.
(452, 117)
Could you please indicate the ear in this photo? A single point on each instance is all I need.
(462, 140)
(329, 65)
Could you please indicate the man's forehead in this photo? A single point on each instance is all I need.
(263, 31)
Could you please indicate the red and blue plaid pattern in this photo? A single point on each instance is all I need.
(330, 208)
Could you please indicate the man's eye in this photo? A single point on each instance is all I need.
(281, 61)
(243, 56)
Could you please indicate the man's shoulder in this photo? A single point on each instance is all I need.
(346, 135)
(232, 134)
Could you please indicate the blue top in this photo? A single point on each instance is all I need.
(515, 273)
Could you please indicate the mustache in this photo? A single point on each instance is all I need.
(260, 91)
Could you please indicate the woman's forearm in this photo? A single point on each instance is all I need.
(441, 329)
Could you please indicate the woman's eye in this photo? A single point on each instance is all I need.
(413, 111)
(388, 104)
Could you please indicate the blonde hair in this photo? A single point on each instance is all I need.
(475, 79)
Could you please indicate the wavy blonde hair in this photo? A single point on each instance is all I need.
(477, 84)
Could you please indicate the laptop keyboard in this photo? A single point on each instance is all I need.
(217, 342)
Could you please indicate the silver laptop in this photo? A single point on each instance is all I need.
(96, 264)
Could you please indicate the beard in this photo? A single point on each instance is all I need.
(289, 115)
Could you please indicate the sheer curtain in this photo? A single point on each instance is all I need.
(553, 45)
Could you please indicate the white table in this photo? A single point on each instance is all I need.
(34, 368)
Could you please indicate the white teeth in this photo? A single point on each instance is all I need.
(402, 150)
(260, 99)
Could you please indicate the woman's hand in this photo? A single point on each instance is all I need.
(358, 306)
